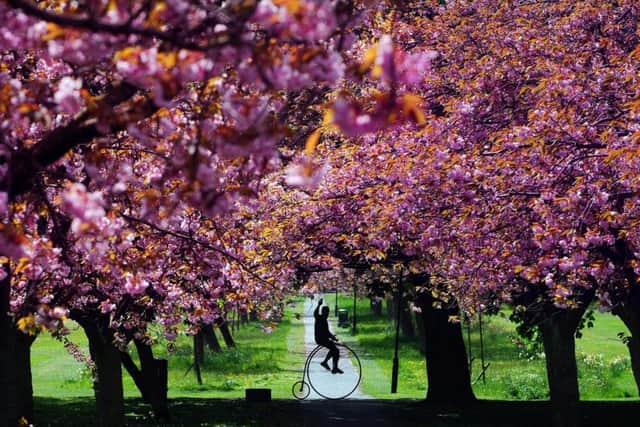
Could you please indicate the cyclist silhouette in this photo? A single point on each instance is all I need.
(325, 338)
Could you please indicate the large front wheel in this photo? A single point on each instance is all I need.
(334, 386)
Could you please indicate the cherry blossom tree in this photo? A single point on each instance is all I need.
(153, 168)
(519, 184)
(128, 129)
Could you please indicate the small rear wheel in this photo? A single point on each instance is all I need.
(300, 390)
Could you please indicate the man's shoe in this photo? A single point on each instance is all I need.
(325, 366)
(337, 371)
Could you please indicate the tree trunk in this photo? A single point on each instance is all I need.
(154, 374)
(150, 379)
(226, 335)
(558, 337)
(420, 332)
(8, 391)
(376, 306)
(391, 307)
(211, 339)
(24, 382)
(135, 373)
(197, 359)
(107, 381)
(235, 325)
(406, 320)
(448, 377)
(629, 313)
(198, 343)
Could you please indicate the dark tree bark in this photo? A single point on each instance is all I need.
(211, 338)
(197, 358)
(150, 378)
(8, 390)
(83, 128)
(376, 306)
(448, 378)
(235, 321)
(406, 320)
(107, 381)
(226, 334)
(629, 313)
(558, 337)
(199, 346)
(628, 302)
(420, 332)
(391, 307)
(24, 383)
(135, 373)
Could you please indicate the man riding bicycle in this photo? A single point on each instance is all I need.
(325, 338)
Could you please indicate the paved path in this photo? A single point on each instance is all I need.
(332, 385)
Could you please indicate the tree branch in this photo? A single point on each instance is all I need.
(199, 242)
(77, 21)
(26, 164)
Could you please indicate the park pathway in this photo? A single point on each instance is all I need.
(323, 379)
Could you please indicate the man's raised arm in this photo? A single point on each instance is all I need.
(316, 312)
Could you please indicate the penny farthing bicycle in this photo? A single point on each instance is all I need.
(323, 382)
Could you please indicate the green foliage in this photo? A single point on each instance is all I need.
(619, 366)
(624, 338)
(527, 386)
(587, 321)
(529, 347)
(593, 372)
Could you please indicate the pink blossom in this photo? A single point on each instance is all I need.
(67, 96)
(85, 207)
(135, 285)
(305, 174)
(4, 199)
(107, 307)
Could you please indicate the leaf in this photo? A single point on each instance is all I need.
(23, 263)
(369, 58)
(312, 141)
(293, 6)
(411, 106)
(327, 119)
(53, 32)
(29, 325)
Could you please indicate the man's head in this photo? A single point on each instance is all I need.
(325, 311)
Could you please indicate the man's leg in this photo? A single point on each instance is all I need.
(335, 353)
(324, 363)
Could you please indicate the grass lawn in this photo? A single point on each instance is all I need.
(64, 396)
(274, 361)
(603, 360)
(259, 360)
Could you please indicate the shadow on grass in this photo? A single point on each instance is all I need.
(237, 412)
